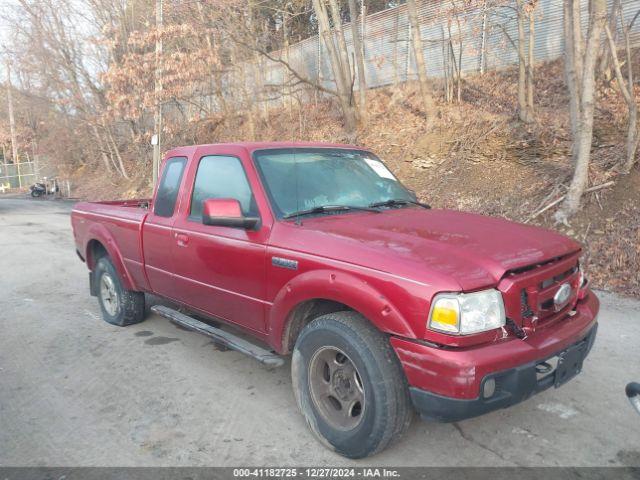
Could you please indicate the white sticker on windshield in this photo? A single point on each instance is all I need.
(380, 168)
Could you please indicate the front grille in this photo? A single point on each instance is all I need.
(525, 308)
(529, 292)
(558, 278)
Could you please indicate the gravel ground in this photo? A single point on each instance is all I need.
(75, 391)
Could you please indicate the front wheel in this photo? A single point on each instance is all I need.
(349, 385)
(119, 306)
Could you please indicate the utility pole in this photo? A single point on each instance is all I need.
(157, 91)
(12, 124)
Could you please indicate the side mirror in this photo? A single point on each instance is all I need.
(226, 212)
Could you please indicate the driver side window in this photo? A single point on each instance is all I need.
(221, 177)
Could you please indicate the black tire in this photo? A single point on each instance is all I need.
(127, 307)
(386, 409)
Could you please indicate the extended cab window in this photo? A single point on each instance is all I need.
(221, 177)
(167, 193)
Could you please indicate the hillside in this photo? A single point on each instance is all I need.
(476, 156)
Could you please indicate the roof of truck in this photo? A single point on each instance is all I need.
(251, 146)
(258, 145)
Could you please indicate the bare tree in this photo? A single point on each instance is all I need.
(626, 88)
(343, 86)
(49, 44)
(453, 59)
(572, 61)
(359, 54)
(287, 96)
(604, 67)
(447, 68)
(452, 64)
(530, 58)
(418, 53)
(343, 53)
(525, 11)
(583, 68)
(523, 111)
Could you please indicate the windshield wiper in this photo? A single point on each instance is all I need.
(398, 201)
(329, 208)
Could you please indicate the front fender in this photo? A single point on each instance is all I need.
(341, 287)
(101, 234)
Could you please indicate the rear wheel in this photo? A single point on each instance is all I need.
(119, 306)
(349, 385)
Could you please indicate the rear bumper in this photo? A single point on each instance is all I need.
(512, 386)
(446, 384)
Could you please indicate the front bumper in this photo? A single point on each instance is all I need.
(446, 384)
(512, 386)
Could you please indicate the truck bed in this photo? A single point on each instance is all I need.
(118, 226)
(113, 211)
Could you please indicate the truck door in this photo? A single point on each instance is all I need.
(157, 238)
(220, 270)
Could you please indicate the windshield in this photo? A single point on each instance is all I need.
(299, 179)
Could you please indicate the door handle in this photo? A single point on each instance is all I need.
(181, 239)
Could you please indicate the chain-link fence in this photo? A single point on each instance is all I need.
(17, 175)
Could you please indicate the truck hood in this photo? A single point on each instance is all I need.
(430, 246)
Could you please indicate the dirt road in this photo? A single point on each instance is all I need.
(75, 391)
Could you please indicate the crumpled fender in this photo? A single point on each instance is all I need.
(339, 287)
(99, 232)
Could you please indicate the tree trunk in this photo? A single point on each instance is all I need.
(286, 91)
(633, 134)
(418, 52)
(604, 69)
(578, 41)
(357, 46)
(627, 93)
(342, 44)
(632, 139)
(238, 83)
(121, 168)
(103, 153)
(523, 110)
(571, 76)
(445, 66)
(343, 89)
(585, 129)
(257, 85)
(530, 61)
(455, 69)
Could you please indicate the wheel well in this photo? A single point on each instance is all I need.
(95, 251)
(305, 312)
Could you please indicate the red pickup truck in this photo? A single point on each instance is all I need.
(317, 250)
